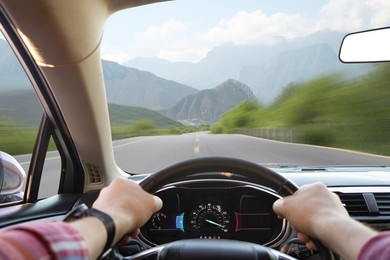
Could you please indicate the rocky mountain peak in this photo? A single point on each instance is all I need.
(237, 87)
(206, 106)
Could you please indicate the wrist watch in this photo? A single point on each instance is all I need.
(83, 211)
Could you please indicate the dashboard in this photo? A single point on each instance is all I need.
(214, 205)
(220, 205)
(216, 209)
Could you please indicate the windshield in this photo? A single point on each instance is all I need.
(257, 80)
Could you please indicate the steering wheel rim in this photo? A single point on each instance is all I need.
(256, 173)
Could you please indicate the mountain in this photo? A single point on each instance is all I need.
(163, 68)
(290, 66)
(221, 63)
(21, 107)
(132, 87)
(227, 60)
(266, 69)
(206, 106)
(124, 86)
(262, 67)
(295, 66)
(120, 115)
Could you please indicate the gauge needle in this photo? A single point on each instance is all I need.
(214, 223)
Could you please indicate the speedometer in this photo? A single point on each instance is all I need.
(209, 217)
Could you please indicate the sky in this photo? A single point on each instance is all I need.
(186, 30)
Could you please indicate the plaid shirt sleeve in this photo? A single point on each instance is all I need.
(49, 240)
(377, 248)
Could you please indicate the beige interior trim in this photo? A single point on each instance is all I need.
(66, 45)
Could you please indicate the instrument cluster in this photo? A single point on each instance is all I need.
(227, 211)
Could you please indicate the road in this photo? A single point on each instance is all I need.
(149, 154)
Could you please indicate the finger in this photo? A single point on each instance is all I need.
(134, 233)
(127, 237)
(310, 245)
(278, 208)
(303, 237)
(158, 203)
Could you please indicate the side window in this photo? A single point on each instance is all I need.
(20, 116)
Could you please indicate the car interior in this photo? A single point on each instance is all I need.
(212, 205)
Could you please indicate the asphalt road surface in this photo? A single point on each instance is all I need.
(149, 154)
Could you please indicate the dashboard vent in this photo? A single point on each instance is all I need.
(93, 174)
(354, 203)
(383, 202)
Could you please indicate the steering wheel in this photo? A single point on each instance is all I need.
(219, 249)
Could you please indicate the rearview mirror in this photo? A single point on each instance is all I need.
(366, 46)
(11, 179)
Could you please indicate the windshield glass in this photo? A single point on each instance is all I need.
(257, 80)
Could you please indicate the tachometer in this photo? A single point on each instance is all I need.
(159, 220)
(209, 217)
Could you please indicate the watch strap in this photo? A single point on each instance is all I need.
(108, 223)
(82, 211)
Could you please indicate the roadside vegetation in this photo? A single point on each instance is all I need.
(329, 111)
(16, 139)
(11, 136)
(146, 127)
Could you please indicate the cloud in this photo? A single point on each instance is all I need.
(244, 28)
(156, 32)
(176, 40)
(116, 54)
(381, 11)
(164, 40)
(348, 15)
(172, 40)
(256, 28)
(119, 57)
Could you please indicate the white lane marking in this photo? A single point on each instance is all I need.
(135, 141)
(196, 148)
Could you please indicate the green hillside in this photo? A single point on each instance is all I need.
(136, 121)
(21, 112)
(120, 115)
(330, 111)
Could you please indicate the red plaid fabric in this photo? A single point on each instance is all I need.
(52, 240)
